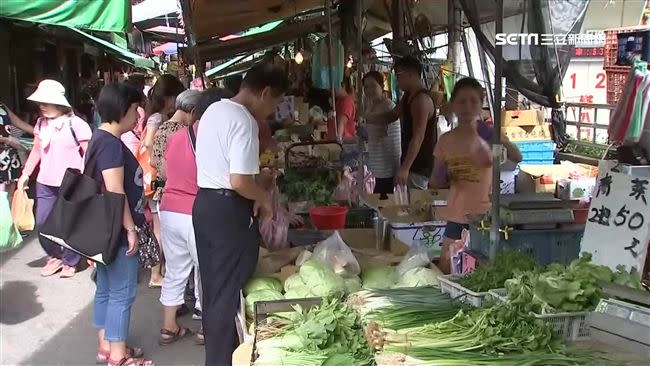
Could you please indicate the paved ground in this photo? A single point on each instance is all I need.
(47, 321)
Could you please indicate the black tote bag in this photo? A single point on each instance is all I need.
(85, 217)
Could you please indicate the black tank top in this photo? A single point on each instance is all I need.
(423, 163)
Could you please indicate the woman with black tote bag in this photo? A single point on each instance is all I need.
(118, 170)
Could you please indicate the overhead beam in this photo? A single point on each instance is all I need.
(221, 18)
(215, 50)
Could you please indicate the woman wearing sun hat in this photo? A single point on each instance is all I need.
(60, 141)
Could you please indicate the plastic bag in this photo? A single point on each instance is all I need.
(457, 249)
(9, 236)
(22, 210)
(338, 255)
(274, 230)
(346, 190)
(417, 257)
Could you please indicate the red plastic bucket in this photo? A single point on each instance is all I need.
(328, 217)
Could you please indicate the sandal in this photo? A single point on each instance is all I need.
(103, 356)
(168, 337)
(200, 338)
(130, 361)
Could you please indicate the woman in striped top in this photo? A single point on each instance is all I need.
(384, 144)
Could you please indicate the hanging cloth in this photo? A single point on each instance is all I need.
(620, 118)
(448, 78)
(638, 114)
(320, 65)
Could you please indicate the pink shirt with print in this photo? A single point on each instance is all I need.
(180, 187)
(469, 185)
(132, 138)
(55, 148)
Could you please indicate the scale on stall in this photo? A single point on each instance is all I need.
(621, 324)
(535, 211)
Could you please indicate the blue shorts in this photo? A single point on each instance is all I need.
(454, 230)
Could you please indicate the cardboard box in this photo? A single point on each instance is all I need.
(527, 133)
(541, 178)
(575, 189)
(528, 117)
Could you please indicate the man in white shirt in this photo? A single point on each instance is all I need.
(230, 201)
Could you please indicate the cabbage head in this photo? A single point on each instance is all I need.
(260, 295)
(378, 277)
(419, 277)
(262, 283)
(298, 292)
(320, 278)
(352, 284)
(292, 282)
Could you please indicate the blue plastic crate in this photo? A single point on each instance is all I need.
(538, 161)
(526, 146)
(545, 246)
(538, 155)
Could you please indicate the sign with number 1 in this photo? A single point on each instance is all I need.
(618, 227)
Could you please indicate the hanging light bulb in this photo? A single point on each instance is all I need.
(299, 59)
(349, 64)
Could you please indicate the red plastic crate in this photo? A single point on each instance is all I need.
(615, 83)
(611, 43)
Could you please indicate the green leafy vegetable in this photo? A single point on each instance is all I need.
(320, 278)
(293, 281)
(260, 295)
(565, 289)
(493, 275)
(262, 283)
(327, 335)
(352, 284)
(307, 186)
(418, 277)
(378, 277)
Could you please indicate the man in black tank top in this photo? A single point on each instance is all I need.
(418, 124)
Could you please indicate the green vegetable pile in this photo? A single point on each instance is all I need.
(326, 335)
(304, 186)
(261, 289)
(493, 330)
(571, 288)
(403, 308)
(494, 275)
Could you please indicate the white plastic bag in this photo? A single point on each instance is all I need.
(338, 255)
(417, 257)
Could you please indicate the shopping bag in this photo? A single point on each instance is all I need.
(9, 236)
(22, 210)
(85, 217)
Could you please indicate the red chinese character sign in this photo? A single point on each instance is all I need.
(618, 227)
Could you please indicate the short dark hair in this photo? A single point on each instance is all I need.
(137, 80)
(208, 97)
(467, 83)
(115, 100)
(264, 75)
(374, 75)
(166, 86)
(408, 63)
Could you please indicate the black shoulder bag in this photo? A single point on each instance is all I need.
(85, 217)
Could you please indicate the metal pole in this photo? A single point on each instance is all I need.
(495, 233)
(486, 77)
(468, 56)
(361, 173)
(330, 58)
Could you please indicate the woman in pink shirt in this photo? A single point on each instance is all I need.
(60, 141)
(176, 222)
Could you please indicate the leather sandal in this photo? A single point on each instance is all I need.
(103, 356)
(130, 361)
(168, 337)
(200, 338)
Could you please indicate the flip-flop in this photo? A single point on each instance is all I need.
(154, 285)
(172, 337)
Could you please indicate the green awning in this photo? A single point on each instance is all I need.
(122, 53)
(224, 65)
(97, 15)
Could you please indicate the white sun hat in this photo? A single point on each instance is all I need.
(50, 92)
